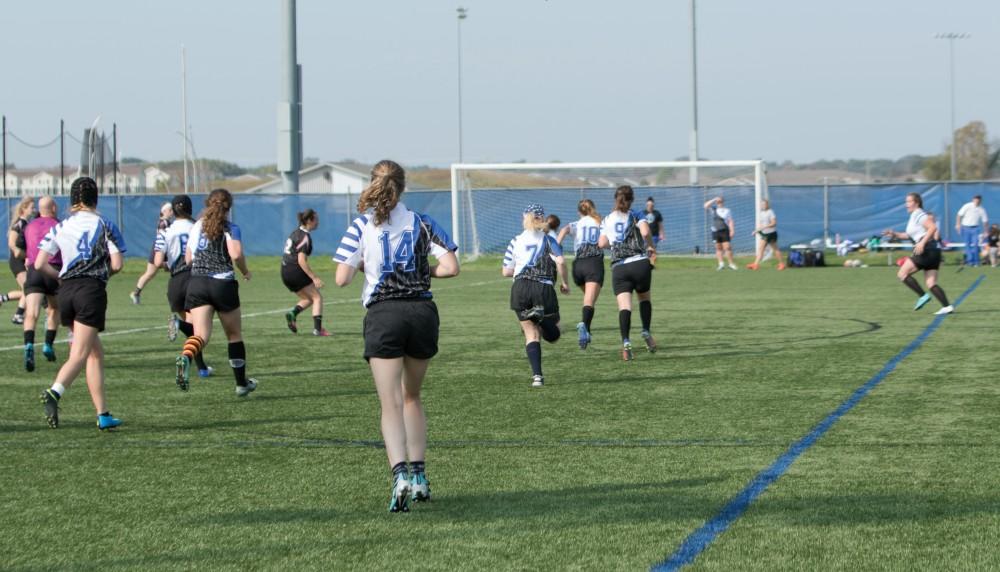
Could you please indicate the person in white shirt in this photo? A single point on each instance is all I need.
(971, 222)
(722, 231)
(588, 263)
(923, 231)
(767, 228)
(91, 249)
(391, 245)
(535, 260)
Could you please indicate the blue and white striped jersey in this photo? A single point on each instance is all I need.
(532, 254)
(211, 257)
(86, 241)
(586, 231)
(394, 253)
(622, 232)
(172, 242)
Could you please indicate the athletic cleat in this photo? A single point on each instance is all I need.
(720, 268)
(106, 422)
(533, 314)
(136, 298)
(946, 310)
(322, 333)
(732, 266)
(207, 372)
(290, 320)
(581, 329)
(752, 266)
(29, 357)
(537, 381)
(50, 400)
(650, 342)
(172, 326)
(627, 351)
(400, 499)
(420, 488)
(183, 378)
(922, 301)
(781, 266)
(245, 390)
(49, 352)
(17, 319)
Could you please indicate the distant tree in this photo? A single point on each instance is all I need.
(664, 175)
(972, 156)
(133, 161)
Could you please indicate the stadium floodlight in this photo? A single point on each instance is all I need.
(951, 37)
(486, 198)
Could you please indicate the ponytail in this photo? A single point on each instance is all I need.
(382, 194)
(213, 218)
(623, 198)
(586, 208)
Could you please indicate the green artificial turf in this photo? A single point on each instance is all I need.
(610, 466)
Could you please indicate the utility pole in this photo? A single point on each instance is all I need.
(184, 112)
(951, 37)
(62, 157)
(4, 159)
(114, 158)
(693, 172)
(463, 13)
(289, 109)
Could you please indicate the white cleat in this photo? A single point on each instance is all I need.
(946, 310)
(732, 267)
(537, 381)
(244, 390)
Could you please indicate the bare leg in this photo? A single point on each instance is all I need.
(591, 290)
(232, 325)
(729, 252)
(201, 319)
(32, 307)
(413, 409)
(388, 375)
(21, 278)
(718, 253)
(84, 339)
(146, 277)
(52, 314)
(95, 376)
(625, 300)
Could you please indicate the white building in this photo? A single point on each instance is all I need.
(45, 181)
(322, 178)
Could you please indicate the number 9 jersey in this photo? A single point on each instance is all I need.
(394, 254)
(86, 241)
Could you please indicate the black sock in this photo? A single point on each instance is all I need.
(912, 285)
(399, 468)
(50, 337)
(29, 337)
(238, 361)
(939, 294)
(199, 360)
(297, 310)
(138, 291)
(646, 313)
(550, 331)
(588, 316)
(318, 322)
(20, 312)
(186, 328)
(4, 298)
(625, 323)
(534, 351)
(417, 467)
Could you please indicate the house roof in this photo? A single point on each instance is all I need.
(309, 171)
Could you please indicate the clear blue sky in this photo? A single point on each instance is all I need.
(556, 79)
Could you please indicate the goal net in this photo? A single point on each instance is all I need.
(487, 199)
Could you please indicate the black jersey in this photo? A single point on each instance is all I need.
(211, 257)
(299, 241)
(18, 227)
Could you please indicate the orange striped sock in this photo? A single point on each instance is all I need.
(193, 346)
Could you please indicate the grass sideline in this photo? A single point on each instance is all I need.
(610, 466)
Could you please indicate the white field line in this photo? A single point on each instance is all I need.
(257, 314)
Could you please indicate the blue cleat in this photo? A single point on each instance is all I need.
(400, 499)
(49, 352)
(922, 301)
(581, 329)
(105, 422)
(29, 357)
(420, 488)
(207, 372)
(183, 377)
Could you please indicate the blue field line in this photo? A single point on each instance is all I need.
(700, 539)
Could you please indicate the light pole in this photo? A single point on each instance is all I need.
(951, 37)
(693, 172)
(462, 14)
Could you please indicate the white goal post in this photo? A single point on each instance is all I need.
(486, 198)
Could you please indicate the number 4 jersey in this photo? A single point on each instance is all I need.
(86, 241)
(394, 253)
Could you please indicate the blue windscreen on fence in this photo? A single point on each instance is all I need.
(852, 211)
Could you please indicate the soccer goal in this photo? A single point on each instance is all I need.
(487, 199)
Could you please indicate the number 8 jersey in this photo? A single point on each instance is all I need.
(394, 253)
(86, 241)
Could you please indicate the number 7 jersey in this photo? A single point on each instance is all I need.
(394, 253)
